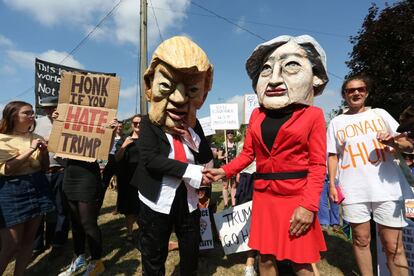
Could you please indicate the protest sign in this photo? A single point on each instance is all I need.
(250, 103)
(224, 116)
(233, 225)
(87, 103)
(47, 81)
(206, 241)
(206, 126)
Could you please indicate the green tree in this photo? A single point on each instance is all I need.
(384, 49)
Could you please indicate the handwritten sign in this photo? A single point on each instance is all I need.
(224, 116)
(206, 126)
(234, 227)
(87, 103)
(47, 81)
(250, 103)
(206, 234)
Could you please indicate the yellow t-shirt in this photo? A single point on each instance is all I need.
(12, 146)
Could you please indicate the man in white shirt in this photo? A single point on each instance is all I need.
(171, 143)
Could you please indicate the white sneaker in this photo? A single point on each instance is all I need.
(249, 271)
(77, 264)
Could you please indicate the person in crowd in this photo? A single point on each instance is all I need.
(24, 191)
(328, 210)
(226, 157)
(286, 135)
(54, 228)
(408, 157)
(111, 167)
(127, 157)
(171, 145)
(82, 185)
(244, 194)
(368, 177)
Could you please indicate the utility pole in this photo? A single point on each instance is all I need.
(143, 55)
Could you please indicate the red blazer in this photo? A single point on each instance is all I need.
(299, 145)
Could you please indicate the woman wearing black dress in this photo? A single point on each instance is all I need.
(127, 157)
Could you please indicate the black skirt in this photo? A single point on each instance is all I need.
(82, 181)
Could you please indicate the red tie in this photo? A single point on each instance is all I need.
(179, 152)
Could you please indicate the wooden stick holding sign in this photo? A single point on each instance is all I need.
(87, 103)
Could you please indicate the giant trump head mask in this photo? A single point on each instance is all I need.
(177, 82)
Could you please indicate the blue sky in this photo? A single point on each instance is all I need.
(50, 29)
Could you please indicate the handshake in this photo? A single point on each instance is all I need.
(210, 175)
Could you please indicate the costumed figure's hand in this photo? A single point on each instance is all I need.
(214, 174)
(300, 221)
(333, 194)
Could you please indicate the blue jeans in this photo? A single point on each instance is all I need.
(328, 211)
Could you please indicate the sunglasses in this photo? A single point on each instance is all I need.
(135, 123)
(362, 89)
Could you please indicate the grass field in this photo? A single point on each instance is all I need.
(123, 258)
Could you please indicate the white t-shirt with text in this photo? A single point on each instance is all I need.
(367, 171)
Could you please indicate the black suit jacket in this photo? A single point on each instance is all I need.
(154, 162)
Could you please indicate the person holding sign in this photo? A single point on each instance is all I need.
(82, 185)
(25, 195)
(227, 153)
(286, 135)
(172, 142)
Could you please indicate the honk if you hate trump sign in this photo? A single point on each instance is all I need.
(87, 103)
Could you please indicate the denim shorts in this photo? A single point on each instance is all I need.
(23, 197)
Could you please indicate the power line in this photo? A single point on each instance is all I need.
(75, 49)
(229, 21)
(258, 23)
(156, 21)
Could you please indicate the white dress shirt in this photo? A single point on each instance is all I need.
(192, 180)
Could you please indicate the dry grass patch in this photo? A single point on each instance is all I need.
(123, 258)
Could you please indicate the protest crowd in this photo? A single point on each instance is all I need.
(299, 175)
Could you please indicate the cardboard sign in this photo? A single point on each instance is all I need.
(206, 241)
(87, 103)
(233, 225)
(47, 81)
(409, 208)
(250, 103)
(206, 126)
(224, 116)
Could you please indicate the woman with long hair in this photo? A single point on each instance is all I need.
(24, 192)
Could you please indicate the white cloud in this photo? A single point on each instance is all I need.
(27, 59)
(4, 41)
(51, 12)
(123, 25)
